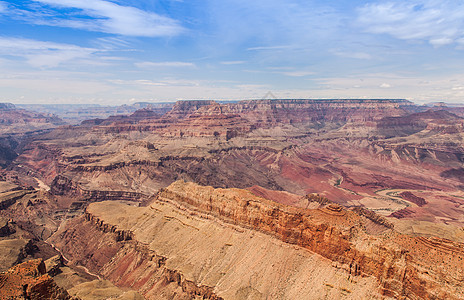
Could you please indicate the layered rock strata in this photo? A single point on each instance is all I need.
(114, 254)
(390, 257)
(232, 244)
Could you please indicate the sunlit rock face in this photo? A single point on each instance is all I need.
(212, 242)
(244, 200)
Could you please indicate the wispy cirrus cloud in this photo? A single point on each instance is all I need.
(286, 71)
(233, 62)
(168, 64)
(265, 48)
(296, 73)
(162, 82)
(438, 22)
(261, 25)
(99, 16)
(43, 54)
(3, 6)
(352, 54)
(112, 43)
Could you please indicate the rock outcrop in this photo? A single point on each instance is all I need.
(419, 201)
(29, 280)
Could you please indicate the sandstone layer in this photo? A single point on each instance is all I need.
(235, 245)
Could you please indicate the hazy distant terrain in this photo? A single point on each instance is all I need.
(76, 113)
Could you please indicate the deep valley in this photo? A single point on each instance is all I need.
(255, 199)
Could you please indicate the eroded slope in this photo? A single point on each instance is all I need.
(230, 243)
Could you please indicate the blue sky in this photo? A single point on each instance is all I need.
(123, 51)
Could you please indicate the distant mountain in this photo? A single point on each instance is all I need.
(16, 124)
(18, 119)
(76, 113)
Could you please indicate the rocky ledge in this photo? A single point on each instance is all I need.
(405, 266)
(231, 244)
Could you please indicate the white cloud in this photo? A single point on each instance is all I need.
(296, 73)
(60, 87)
(385, 85)
(3, 6)
(175, 64)
(163, 82)
(348, 54)
(233, 62)
(287, 71)
(104, 16)
(148, 82)
(265, 48)
(441, 41)
(438, 22)
(421, 88)
(112, 43)
(43, 54)
(253, 86)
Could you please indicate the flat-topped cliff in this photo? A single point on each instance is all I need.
(267, 113)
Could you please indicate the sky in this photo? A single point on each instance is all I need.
(114, 52)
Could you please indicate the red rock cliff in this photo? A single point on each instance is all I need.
(405, 266)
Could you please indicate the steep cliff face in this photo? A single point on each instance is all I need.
(272, 112)
(62, 185)
(339, 237)
(114, 254)
(440, 121)
(233, 244)
(209, 118)
(179, 254)
(26, 218)
(184, 108)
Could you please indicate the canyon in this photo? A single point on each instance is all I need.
(254, 199)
